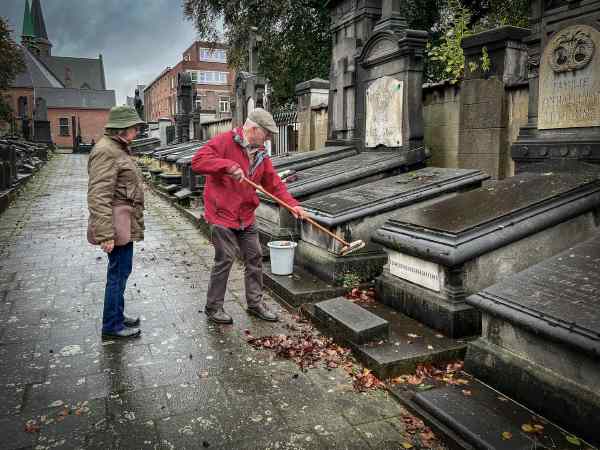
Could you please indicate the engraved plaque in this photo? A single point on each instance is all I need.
(384, 113)
(570, 79)
(416, 270)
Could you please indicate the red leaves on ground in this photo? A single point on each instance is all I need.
(32, 427)
(365, 380)
(446, 374)
(305, 349)
(362, 296)
(417, 427)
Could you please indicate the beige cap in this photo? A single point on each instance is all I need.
(263, 119)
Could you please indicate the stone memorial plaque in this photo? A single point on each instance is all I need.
(384, 113)
(569, 94)
(416, 270)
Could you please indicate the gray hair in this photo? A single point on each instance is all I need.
(250, 124)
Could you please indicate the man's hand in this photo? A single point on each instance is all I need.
(299, 213)
(236, 173)
(107, 246)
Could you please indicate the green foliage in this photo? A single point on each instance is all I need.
(447, 57)
(462, 18)
(11, 64)
(350, 280)
(296, 43)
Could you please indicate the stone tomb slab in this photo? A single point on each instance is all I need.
(441, 253)
(276, 223)
(541, 338)
(352, 321)
(485, 418)
(356, 213)
(306, 160)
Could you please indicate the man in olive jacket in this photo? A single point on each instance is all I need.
(116, 207)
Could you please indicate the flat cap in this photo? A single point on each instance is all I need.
(263, 119)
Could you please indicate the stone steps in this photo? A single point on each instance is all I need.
(301, 287)
(352, 321)
(483, 418)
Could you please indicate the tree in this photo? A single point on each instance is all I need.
(11, 64)
(460, 19)
(295, 47)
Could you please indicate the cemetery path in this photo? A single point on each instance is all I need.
(185, 383)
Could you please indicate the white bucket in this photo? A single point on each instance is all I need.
(282, 257)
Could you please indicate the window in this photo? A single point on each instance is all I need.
(213, 55)
(193, 75)
(63, 124)
(208, 77)
(224, 104)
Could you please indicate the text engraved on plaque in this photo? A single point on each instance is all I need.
(384, 113)
(570, 79)
(416, 270)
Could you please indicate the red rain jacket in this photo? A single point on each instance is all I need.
(227, 202)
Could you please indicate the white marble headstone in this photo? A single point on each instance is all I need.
(384, 113)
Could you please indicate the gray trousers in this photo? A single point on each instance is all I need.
(227, 242)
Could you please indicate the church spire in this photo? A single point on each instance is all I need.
(39, 28)
(27, 23)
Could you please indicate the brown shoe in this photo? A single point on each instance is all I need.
(263, 312)
(219, 316)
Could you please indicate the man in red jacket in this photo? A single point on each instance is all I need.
(229, 205)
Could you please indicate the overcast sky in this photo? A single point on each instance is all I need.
(137, 38)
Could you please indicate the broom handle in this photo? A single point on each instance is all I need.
(291, 209)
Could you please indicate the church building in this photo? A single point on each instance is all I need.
(58, 98)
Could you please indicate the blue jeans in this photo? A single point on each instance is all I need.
(119, 268)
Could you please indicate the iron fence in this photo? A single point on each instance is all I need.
(286, 119)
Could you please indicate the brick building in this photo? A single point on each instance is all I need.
(66, 94)
(214, 84)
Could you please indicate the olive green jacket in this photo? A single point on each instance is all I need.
(114, 180)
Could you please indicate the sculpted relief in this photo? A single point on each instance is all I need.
(569, 90)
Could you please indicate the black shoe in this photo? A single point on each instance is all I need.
(131, 322)
(263, 312)
(219, 316)
(123, 334)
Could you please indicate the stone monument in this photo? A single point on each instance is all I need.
(564, 87)
(439, 255)
(183, 115)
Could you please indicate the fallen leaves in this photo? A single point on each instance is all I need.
(423, 372)
(365, 380)
(417, 428)
(506, 435)
(361, 296)
(305, 349)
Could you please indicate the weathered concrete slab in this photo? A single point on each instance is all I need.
(275, 222)
(485, 418)
(441, 253)
(356, 213)
(299, 288)
(352, 321)
(541, 331)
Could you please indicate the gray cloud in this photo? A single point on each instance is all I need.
(137, 38)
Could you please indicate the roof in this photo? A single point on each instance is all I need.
(76, 72)
(27, 22)
(36, 75)
(77, 98)
(39, 26)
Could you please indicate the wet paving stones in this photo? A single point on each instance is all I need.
(185, 383)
